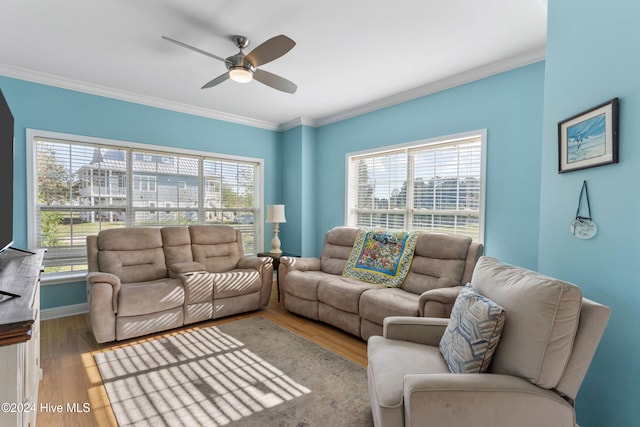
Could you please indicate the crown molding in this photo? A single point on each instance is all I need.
(299, 121)
(93, 89)
(438, 86)
(428, 89)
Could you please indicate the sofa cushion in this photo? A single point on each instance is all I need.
(138, 265)
(198, 287)
(338, 243)
(377, 304)
(217, 247)
(134, 326)
(408, 358)
(132, 254)
(129, 239)
(542, 319)
(304, 284)
(342, 293)
(177, 245)
(438, 262)
(136, 299)
(236, 282)
(472, 333)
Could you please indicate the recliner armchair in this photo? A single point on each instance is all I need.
(549, 338)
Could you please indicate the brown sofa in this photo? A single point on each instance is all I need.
(145, 280)
(315, 288)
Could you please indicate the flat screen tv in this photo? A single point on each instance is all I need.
(6, 175)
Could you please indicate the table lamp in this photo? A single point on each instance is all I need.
(275, 215)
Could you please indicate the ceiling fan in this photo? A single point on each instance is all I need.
(243, 68)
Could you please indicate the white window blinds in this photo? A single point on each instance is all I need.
(81, 188)
(429, 185)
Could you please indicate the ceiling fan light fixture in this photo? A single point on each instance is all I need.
(242, 68)
(240, 75)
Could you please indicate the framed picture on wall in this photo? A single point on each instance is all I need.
(589, 139)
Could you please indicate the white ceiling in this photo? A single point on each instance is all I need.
(351, 56)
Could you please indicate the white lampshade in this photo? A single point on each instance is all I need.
(275, 213)
(240, 75)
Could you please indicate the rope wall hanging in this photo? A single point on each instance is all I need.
(583, 227)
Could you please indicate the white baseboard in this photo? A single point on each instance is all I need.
(67, 310)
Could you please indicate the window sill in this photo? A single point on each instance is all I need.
(60, 278)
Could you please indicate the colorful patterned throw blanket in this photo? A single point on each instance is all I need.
(381, 256)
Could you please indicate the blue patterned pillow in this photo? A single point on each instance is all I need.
(473, 332)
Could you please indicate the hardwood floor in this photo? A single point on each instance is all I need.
(70, 374)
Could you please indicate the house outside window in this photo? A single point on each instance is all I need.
(144, 183)
(432, 185)
(82, 185)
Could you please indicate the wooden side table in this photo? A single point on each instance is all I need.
(276, 264)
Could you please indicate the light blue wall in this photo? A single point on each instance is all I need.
(592, 56)
(508, 105)
(299, 197)
(291, 231)
(308, 199)
(53, 109)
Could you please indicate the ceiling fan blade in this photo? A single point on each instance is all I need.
(216, 81)
(195, 49)
(272, 49)
(275, 81)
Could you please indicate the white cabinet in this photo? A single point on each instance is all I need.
(20, 338)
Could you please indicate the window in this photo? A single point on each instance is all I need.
(81, 185)
(144, 183)
(446, 190)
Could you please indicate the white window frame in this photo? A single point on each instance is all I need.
(33, 134)
(144, 183)
(350, 196)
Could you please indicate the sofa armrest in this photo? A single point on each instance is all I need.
(264, 266)
(110, 279)
(103, 290)
(180, 268)
(300, 264)
(289, 264)
(438, 302)
(254, 262)
(421, 330)
(497, 400)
